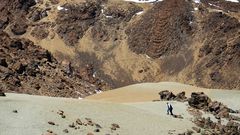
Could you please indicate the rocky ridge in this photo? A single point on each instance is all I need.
(117, 43)
(27, 68)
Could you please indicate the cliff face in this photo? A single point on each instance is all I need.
(164, 29)
(60, 48)
(194, 42)
(27, 68)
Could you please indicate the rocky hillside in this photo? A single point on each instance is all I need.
(63, 47)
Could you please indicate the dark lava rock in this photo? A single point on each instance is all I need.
(49, 131)
(19, 28)
(210, 127)
(199, 100)
(115, 125)
(2, 94)
(198, 130)
(3, 23)
(178, 116)
(54, 2)
(38, 14)
(51, 123)
(166, 95)
(75, 22)
(164, 29)
(15, 111)
(3, 62)
(181, 97)
(188, 132)
(72, 125)
(65, 131)
(79, 122)
(98, 126)
(97, 130)
(218, 109)
(24, 66)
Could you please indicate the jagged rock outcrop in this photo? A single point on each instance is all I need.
(167, 95)
(2, 94)
(199, 100)
(164, 29)
(27, 68)
(210, 127)
(76, 19)
(203, 102)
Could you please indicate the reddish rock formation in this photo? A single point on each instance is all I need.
(27, 68)
(163, 30)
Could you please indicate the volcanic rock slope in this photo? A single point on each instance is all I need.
(61, 46)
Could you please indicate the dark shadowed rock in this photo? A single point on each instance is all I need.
(2, 94)
(181, 97)
(19, 28)
(51, 123)
(65, 131)
(97, 130)
(196, 129)
(3, 62)
(79, 122)
(166, 95)
(72, 125)
(15, 111)
(199, 100)
(115, 125)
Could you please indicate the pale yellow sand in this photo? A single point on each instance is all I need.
(144, 92)
(131, 107)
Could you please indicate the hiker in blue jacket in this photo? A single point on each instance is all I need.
(169, 109)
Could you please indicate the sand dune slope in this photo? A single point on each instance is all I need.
(130, 107)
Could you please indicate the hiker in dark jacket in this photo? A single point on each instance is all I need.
(169, 109)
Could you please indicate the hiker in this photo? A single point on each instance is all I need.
(169, 108)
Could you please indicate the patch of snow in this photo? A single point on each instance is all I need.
(139, 13)
(61, 8)
(80, 98)
(108, 16)
(196, 1)
(190, 22)
(236, 1)
(94, 74)
(102, 10)
(143, 1)
(148, 56)
(195, 8)
(213, 5)
(98, 91)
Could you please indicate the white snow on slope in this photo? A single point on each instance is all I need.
(196, 1)
(139, 13)
(233, 0)
(143, 1)
(61, 8)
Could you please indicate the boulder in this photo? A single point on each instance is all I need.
(198, 130)
(19, 67)
(115, 125)
(2, 94)
(166, 95)
(199, 100)
(3, 62)
(181, 97)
